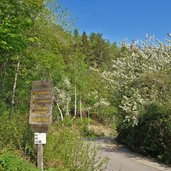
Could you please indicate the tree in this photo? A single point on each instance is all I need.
(17, 18)
(127, 79)
(99, 50)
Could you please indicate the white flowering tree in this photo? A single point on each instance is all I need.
(137, 62)
(62, 98)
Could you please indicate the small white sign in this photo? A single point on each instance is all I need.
(39, 138)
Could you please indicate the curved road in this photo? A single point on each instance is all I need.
(122, 159)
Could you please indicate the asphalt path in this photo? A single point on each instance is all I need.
(122, 159)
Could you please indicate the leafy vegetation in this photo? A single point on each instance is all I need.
(141, 81)
(66, 151)
(10, 161)
(151, 135)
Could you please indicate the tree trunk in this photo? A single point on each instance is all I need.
(81, 116)
(75, 108)
(14, 88)
(62, 116)
(67, 107)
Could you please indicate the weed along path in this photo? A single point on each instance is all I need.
(122, 159)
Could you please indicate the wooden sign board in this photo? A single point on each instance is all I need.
(39, 128)
(41, 103)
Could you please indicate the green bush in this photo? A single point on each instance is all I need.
(9, 161)
(84, 128)
(15, 134)
(152, 135)
(66, 151)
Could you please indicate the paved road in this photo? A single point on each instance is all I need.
(121, 159)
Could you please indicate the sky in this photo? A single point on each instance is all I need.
(120, 20)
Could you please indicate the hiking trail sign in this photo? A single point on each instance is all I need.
(41, 104)
(40, 115)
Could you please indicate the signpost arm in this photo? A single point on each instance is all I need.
(40, 157)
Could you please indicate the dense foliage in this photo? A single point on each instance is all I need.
(152, 135)
(10, 161)
(35, 46)
(141, 82)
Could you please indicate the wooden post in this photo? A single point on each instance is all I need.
(40, 115)
(40, 157)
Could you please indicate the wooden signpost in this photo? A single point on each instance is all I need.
(40, 115)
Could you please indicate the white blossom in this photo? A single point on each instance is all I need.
(128, 70)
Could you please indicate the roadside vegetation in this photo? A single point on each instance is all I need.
(141, 81)
(125, 88)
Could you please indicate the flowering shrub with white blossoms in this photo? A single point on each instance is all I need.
(62, 96)
(135, 62)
